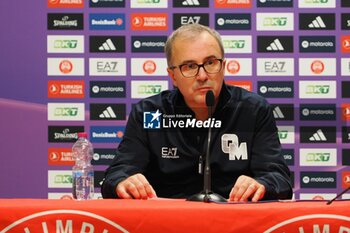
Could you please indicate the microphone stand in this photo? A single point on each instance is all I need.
(344, 191)
(207, 195)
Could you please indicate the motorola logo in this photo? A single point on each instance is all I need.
(278, 89)
(232, 21)
(107, 89)
(322, 21)
(107, 44)
(318, 179)
(103, 156)
(275, 3)
(317, 112)
(275, 44)
(183, 19)
(148, 44)
(317, 44)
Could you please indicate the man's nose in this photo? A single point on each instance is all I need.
(202, 74)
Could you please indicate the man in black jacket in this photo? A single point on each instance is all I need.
(162, 152)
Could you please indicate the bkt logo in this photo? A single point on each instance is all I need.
(152, 120)
(275, 21)
(317, 89)
(237, 44)
(286, 134)
(318, 157)
(230, 145)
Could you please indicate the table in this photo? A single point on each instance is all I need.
(171, 215)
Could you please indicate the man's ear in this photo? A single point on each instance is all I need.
(172, 76)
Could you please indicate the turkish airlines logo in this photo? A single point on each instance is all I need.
(345, 179)
(149, 21)
(65, 3)
(149, 67)
(345, 112)
(345, 48)
(60, 156)
(65, 89)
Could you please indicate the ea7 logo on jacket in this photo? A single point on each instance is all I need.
(231, 146)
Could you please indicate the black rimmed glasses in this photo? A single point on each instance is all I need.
(190, 70)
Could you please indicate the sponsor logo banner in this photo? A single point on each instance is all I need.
(275, 44)
(317, 89)
(60, 179)
(107, 66)
(345, 112)
(191, 3)
(345, 21)
(67, 21)
(107, 21)
(233, 4)
(148, 44)
(65, 66)
(148, 67)
(107, 111)
(149, 21)
(318, 134)
(275, 3)
(237, 44)
(149, 4)
(106, 134)
(280, 89)
(58, 196)
(318, 179)
(275, 66)
(107, 89)
(346, 157)
(283, 112)
(146, 88)
(317, 3)
(275, 21)
(65, 44)
(345, 179)
(317, 66)
(65, 89)
(103, 156)
(345, 44)
(233, 21)
(318, 157)
(345, 134)
(65, 3)
(60, 157)
(345, 3)
(107, 44)
(286, 134)
(64, 133)
(248, 85)
(318, 112)
(183, 19)
(345, 66)
(107, 3)
(317, 196)
(288, 155)
(345, 89)
(321, 21)
(65, 111)
(317, 44)
(238, 67)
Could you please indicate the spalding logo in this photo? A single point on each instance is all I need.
(328, 223)
(60, 221)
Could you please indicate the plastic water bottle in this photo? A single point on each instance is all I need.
(83, 172)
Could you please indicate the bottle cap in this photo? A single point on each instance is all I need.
(82, 135)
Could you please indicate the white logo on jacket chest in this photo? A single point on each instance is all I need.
(169, 153)
(230, 145)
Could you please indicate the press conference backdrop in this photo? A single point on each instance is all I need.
(92, 60)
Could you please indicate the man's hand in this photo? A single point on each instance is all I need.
(135, 187)
(246, 187)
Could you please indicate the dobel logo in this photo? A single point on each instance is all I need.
(317, 67)
(233, 66)
(230, 145)
(149, 66)
(66, 66)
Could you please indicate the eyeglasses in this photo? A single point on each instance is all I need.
(190, 70)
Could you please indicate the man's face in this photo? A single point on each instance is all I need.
(199, 50)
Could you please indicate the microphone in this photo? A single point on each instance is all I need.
(207, 195)
(344, 191)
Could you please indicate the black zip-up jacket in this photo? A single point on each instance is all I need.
(246, 143)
